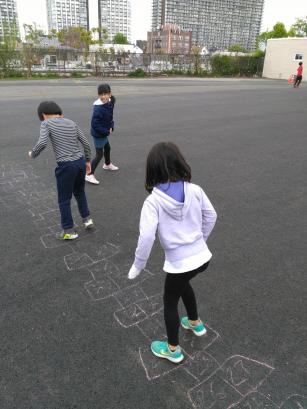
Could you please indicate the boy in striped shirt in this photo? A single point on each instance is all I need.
(72, 167)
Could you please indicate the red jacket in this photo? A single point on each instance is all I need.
(300, 71)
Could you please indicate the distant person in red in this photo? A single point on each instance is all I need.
(299, 75)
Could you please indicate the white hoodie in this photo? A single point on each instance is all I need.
(183, 229)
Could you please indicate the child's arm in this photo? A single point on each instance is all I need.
(42, 141)
(148, 228)
(208, 215)
(84, 143)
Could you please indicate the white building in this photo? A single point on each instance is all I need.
(115, 16)
(8, 15)
(118, 48)
(67, 13)
(283, 55)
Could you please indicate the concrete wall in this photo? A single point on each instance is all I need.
(280, 54)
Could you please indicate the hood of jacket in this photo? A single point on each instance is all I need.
(174, 209)
(99, 102)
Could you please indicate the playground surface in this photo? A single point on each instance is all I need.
(76, 333)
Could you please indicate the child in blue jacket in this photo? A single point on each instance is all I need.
(102, 125)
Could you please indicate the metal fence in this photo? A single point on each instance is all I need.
(104, 64)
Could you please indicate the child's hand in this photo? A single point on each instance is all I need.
(111, 130)
(133, 272)
(30, 154)
(88, 168)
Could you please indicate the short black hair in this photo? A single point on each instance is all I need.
(300, 63)
(48, 108)
(165, 163)
(104, 89)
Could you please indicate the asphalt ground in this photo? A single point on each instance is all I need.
(75, 333)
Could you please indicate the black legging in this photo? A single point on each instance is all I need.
(176, 286)
(106, 150)
(298, 80)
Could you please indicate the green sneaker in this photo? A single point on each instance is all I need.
(198, 330)
(161, 349)
(67, 236)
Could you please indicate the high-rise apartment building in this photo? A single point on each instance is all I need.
(216, 24)
(8, 16)
(67, 13)
(115, 16)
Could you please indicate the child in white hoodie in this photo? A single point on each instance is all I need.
(184, 218)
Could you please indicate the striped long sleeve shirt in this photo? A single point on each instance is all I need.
(64, 135)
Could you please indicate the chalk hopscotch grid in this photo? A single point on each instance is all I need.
(231, 384)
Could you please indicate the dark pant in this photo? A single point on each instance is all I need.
(298, 80)
(176, 286)
(106, 150)
(70, 177)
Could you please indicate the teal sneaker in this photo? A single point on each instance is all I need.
(161, 349)
(198, 330)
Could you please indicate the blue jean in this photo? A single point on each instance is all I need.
(70, 177)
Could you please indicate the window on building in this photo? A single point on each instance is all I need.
(298, 57)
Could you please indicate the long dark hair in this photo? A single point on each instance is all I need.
(165, 163)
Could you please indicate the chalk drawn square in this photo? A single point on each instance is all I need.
(153, 328)
(152, 305)
(7, 187)
(255, 400)
(201, 365)
(50, 241)
(107, 250)
(102, 269)
(244, 374)
(132, 315)
(97, 252)
(48, 218)
(12, 200)
(130, 295)
(214, 393)
(181, 380)
(57, 228)
(295, 402)
(191, 344)
(100, 290)
(155, 367)
(120, 277)
(75, 261)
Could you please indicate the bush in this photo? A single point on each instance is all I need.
(224, 65)
(138, 73)
(77, 74)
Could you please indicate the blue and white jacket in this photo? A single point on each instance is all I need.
(102, 118)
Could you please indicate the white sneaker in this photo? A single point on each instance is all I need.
(110, 167)
(91, 179)
(88, 224)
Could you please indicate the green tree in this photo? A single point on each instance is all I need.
(195, 50)
(120, 38)
(237, 48)
(279, 31)
(80, 38)
(9, 42)
(300, 27)
(30, 53)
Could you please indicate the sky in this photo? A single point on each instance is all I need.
(286, 11)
